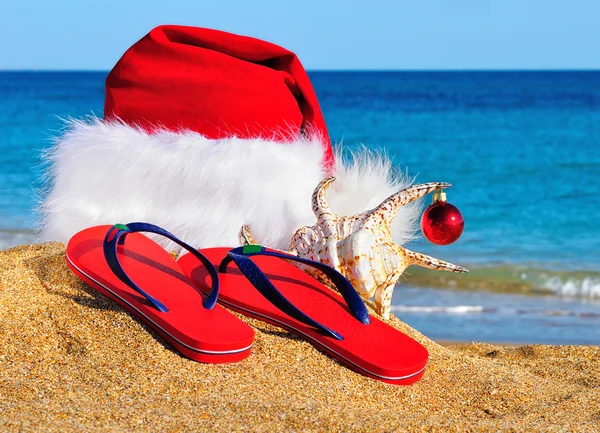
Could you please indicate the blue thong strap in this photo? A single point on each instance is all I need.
(240, 256)
(116, 236)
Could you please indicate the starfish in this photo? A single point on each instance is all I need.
(360, 247)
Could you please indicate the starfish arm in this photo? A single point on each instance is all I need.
(383, 308)
(246, 237)
(388, 209)
(431, 262)
(326, 219)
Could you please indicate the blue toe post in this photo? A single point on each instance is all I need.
(240, 256)
(116, 236)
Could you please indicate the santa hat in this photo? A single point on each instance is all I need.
(203, 132)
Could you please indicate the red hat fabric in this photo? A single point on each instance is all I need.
(217, 84)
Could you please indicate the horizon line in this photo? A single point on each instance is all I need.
(352, 70)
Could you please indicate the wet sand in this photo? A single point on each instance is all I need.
(71, 359)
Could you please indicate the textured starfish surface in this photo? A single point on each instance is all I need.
(360, 247)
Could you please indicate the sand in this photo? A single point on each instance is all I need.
(70, 359)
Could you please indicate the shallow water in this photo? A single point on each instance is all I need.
(498, 318)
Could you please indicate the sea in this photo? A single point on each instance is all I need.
(521, 148)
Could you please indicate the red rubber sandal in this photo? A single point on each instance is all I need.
(110, 259)
(265, 286)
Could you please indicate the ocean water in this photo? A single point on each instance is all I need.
(522, 150)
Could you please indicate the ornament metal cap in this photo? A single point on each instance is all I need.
(439, 195)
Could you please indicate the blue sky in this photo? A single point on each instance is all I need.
(326, 34)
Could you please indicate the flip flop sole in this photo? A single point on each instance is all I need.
(376, 350)
(211, 336)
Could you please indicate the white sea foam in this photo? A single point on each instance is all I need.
(588, 287)
(456, 309)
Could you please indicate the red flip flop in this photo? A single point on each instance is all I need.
(271, 289)
(144, 279)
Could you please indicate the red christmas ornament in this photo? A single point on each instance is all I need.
(442, 223)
